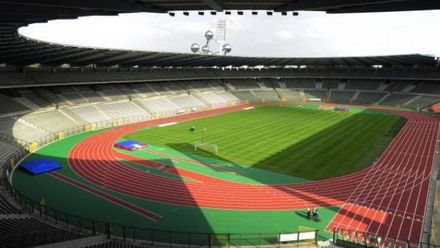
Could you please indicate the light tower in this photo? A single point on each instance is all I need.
(219, 39)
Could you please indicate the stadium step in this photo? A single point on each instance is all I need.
(26, 103)
(230, 86)
(71, 117)
(65, 99)
(382, 87)
(412, 100)
(30, 124)
(383, 98)
(282, 85)
(262, 85)
(278, 94)
(14, 216)
(408, 88)
(355, 96)
(107, 98)
(141, 106)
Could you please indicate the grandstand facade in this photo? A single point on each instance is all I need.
(28, 113)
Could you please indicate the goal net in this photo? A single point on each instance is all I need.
(205, 146)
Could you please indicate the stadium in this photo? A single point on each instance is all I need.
(117, 148)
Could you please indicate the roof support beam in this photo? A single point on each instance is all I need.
(215, 4)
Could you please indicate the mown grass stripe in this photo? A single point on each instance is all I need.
(306, 143)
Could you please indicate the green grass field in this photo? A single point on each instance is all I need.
(294, 140)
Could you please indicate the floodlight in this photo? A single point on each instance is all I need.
(227, 48)
(205, 49)
(195, 47)
(209, 35)
(222, 47)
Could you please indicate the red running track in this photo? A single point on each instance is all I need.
(387, 198)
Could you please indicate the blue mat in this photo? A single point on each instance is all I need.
(40, 166)
(130, 145)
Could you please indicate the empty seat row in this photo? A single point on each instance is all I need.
(29, 232)
(6, 207)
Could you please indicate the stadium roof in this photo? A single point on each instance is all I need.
(17, 50)
(28, 52)
(34, 8)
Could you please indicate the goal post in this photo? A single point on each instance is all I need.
(205, 146)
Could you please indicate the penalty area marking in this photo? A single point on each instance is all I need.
(167, 124)
(248, 108)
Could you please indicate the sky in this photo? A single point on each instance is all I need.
(311, 34)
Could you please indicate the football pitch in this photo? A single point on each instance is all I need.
(300, 141)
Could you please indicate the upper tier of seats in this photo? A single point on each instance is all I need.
(50, 76)
(9, 106)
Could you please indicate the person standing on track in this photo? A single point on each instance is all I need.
(316, 215)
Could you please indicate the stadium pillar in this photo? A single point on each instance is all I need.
(93, 228)
(107, 230)
(12, 163)
(61, 135)
(33, 147)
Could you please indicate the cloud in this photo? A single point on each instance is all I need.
(313, 34)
